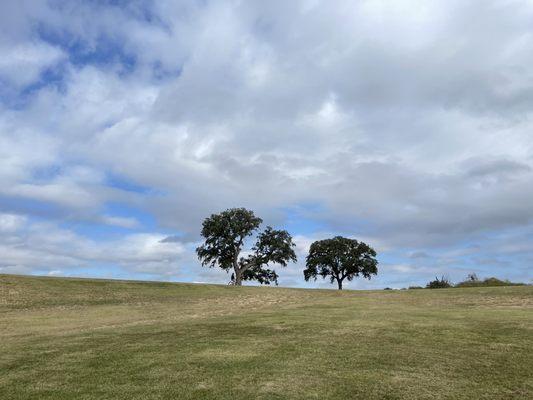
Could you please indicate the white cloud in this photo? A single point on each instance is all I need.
(408, 123)
(35, 246)
(124, 222)
(22, 64)
(11, 222)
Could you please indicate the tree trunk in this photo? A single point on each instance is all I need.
(339, 282)
(238, 277)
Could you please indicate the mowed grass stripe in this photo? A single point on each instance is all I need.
(91, 339)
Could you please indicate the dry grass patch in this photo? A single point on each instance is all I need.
(91, 339)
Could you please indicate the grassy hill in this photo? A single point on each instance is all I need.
(98, 339)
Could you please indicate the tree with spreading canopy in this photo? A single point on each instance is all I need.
(225, 235)
(340, 258)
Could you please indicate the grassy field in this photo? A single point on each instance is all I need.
(97, 339)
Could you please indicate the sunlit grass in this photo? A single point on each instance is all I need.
(91, 339)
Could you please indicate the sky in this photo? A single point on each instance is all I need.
(405, 124)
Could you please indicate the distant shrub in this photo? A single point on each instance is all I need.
(492, 281)
(441, 283)
(387, 288)
(415, 287)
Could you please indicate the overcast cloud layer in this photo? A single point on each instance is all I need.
(406, 124)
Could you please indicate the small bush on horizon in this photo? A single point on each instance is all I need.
(441, 283)
(487, 282)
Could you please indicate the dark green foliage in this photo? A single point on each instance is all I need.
(225, 236)
(340, 258)
(415, 287)
(486, 282)
(441, 283)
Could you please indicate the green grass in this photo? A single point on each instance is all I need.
(487, 282)
(97, 339)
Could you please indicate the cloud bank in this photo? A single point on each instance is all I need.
(406, 125)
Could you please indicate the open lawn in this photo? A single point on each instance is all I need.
(98, 339)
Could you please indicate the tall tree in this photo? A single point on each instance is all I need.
(340, 258)
(225, 236)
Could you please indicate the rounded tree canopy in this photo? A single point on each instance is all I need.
(225, 234)
(340, 258)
